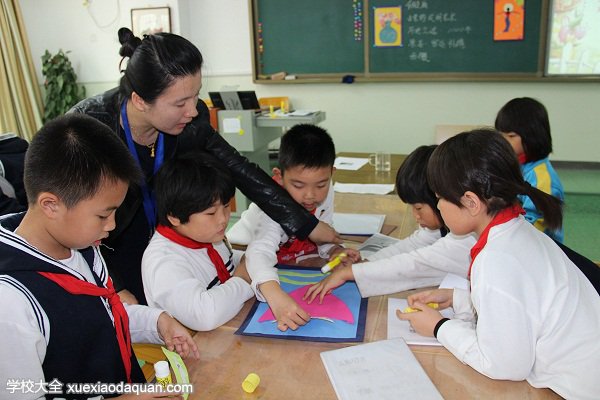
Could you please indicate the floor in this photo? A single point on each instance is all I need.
(582, 210)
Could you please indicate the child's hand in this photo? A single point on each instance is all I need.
(441, 296)
(127, 297)
(424, 321)
(352, 255)
(287, 312)
(338, 277)
(176, 337)
(242, 272)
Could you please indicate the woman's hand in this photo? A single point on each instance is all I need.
(176, 337)
(324, 233)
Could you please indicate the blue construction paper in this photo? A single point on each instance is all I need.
(291, 278)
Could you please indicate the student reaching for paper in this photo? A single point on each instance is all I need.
(421, 260)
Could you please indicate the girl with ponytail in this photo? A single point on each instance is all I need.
(525, 124)
(530, 312)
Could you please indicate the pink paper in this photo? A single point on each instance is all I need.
(332, 307)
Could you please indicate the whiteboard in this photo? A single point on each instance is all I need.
(574, 38)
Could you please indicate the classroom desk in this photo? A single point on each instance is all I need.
(291, 369)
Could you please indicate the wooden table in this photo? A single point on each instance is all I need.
(367, 173)
(292, 369)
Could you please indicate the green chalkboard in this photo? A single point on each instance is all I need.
(319, 38)
(307, 37)
(458, 36)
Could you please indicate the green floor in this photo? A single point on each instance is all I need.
(582, 210)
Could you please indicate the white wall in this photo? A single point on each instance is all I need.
(396, 116)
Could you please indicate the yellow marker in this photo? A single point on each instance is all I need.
(282, 108)
(435, 306)
(271, 112)
(333, 263)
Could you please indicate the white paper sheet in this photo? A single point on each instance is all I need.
(386, 369)
(363, 188)
(301, 113)
(350, 163)
(358, 224)
(398, 328)
(231, 125)
(375, 243)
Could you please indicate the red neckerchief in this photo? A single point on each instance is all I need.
(503, 216)
(77, 286)
(522, 158)
(292, 249)
(214, 256)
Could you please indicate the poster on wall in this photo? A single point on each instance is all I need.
(509, 20)
(148, 21)
(574, 38)
(387, 23)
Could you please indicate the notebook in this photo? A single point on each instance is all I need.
(386, 369)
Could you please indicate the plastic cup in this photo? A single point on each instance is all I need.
(381, 161)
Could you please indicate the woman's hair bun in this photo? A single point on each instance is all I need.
(128, 41)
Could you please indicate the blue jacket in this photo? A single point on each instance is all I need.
(541, 174)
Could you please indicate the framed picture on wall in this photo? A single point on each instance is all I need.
(147, 21)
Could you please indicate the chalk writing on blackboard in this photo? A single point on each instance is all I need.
(434, 30)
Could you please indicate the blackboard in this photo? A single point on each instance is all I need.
(314, 39)
(307, 37)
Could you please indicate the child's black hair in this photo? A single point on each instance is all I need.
(72, 156)
(483, 162)
(189, 184)
(411, 179)
(306, 146)
(528, 118)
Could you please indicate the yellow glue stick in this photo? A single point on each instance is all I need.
(333, 263)
(435, 306)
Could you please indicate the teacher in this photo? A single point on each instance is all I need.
(157, 113)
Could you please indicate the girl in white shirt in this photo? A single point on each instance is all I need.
(530, 314)
(422, 259)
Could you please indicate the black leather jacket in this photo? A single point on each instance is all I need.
(198, 134)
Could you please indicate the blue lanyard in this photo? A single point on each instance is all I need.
(149, 200)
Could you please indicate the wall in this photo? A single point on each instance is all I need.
(396, 116)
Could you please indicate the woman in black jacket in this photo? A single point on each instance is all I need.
(157, 113)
